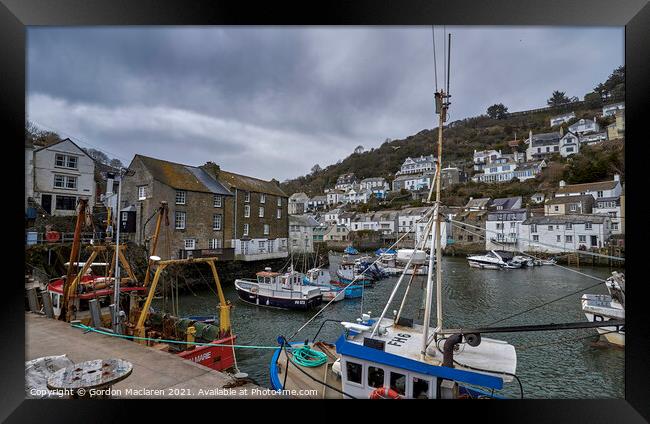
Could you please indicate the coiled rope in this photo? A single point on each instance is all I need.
(306, 356)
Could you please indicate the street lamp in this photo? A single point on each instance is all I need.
(116, 287)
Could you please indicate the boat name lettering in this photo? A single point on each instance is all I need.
(399, 339)
(202, 357)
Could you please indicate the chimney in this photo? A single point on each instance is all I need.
(561, 131)
(530, 135)
(617, 177)
(562, 183)
(211, 168)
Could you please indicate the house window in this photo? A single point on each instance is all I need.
(582, 239)
(499, 225)
(245, 229)
(142, 192)
(66, 203)
(216, 222)
(59, 161)
(59, 181)
(214, 244)
(262, 198)
(535, 237)
(247, 211)
(190, 244)
(559, 238)
(217, 201)
(573, 207)
(569, 226)
(261, 212)
(279, 201)
(375, 377)
(398, 382)
(180, 197)
(247, 196)
(614, 225)
(569, 239)
(267, 229)
(65, 161)
(599, 194)
(556, 208)
(262, 246)
(533, 228)
(179, 219)
(279, 214)
(71, 182)
(550, 228)
(353, 372)
(556, 148)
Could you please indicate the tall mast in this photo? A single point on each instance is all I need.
(442, 104)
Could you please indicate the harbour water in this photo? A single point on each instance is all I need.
(578, 368)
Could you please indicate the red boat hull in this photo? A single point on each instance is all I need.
(218, 357)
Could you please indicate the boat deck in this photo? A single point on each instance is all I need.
(296, 380)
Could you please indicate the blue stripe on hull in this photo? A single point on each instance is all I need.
(272, 302)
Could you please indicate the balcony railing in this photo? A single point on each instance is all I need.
(224, 254)
(505, 240)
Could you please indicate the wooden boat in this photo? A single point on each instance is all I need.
(275, 290)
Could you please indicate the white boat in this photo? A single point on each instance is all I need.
(523, 261)
(602, 307)
(389, 263)
(491, 260)
(322, 279)
(276, 290)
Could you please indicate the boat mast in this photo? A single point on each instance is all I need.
(442, 104)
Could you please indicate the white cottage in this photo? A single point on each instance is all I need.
(564, 233)
(63, 173)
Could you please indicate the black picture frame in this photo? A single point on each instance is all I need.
(15, 15)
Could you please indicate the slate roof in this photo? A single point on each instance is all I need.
(563, 219)
(563, 200)
(478, 203)
(304, 221)
(546, 139)
(506, 202)
(243, 182)
(579, 188)
(182, 177)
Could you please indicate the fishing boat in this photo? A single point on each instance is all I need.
(391, 357)
(389, 265)
(322, 279)
(602, 307)
(351, 250)
(276, 290)
(541, 262)
(346, 273)
(89, 286)
(370, 268)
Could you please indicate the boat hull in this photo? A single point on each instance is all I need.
(219, 357)
(609, 333)
(483, 265)
(274, 302)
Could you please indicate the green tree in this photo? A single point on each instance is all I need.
(497, 111)
(558, 98)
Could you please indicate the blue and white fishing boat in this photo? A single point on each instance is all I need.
(347, 272)
(322, 279)
(276, 290)
(389, 356)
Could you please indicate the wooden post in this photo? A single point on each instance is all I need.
(47, 304)
(74, 252)
(32, 297)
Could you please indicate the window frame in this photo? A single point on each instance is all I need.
(217, 218)
(262, 198)
(267, 229)
(193, 240)
(361, 374)
(142, 192)
(261, 212)
(177, 215)
(183, 194)
(247, 211)
(246, 230)
(217, 201)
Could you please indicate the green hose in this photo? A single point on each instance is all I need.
(307, 357)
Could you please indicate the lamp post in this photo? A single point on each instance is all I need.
(116, 287)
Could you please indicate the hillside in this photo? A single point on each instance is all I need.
(461, 138)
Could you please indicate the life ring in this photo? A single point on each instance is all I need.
(52, 236)
(384, 393)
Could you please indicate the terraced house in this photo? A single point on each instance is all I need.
(211, 212)
(199, 207)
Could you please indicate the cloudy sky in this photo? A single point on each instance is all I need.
(271, 102)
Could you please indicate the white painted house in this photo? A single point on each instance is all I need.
(502, 229)
(611, 109)
(542, 145)
(597, 190)
(564, 233)
(332, 216)
(301, 233)
(569, 144)
(584, 126)
(496, 173)
(610, 206)
(63, 173)
(297, 203)
(485, 157)
(557, 120)
(418, 165)
(334, 197)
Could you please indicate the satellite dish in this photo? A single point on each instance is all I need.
(154, 258)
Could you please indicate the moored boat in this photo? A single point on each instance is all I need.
(347, 273)
(276, 290)
(602, 307)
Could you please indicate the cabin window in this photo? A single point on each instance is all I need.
(354, 372)
(420, 388)
(398, 382)
(375, 377)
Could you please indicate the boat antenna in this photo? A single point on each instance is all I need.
(442, 105)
